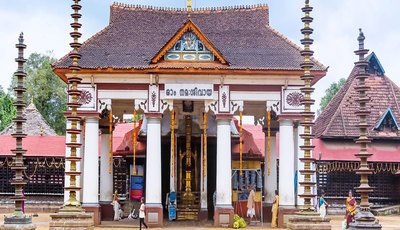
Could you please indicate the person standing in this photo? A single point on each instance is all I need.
(351, 205)
(251, 212)
(275, 206)
(322, 205)
(116, 207)
(142, 214)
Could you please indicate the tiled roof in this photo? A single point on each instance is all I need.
(339, 120)
(136, 34)
(49, 146)
(35, 124)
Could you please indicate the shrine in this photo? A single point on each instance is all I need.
(185, 77)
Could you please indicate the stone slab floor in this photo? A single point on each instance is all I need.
(42, 223)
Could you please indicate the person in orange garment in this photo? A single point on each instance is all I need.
(275, 206)
(251, 212)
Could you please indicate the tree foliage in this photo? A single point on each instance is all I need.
(7, 109)
(46, 90)
(330, 92)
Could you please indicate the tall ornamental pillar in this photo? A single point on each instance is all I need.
(154, 208)
(90, 191)
(203, 185)
(223, 215)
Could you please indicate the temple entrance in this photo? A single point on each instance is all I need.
(188, 172)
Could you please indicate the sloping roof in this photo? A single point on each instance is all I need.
(339, 120)
(46, 146)
(339, 150)
(136, 34)
(35, 124)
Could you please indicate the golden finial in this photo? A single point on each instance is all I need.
(189, 5)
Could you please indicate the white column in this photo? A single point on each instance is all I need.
(91, 162)
(300, 165)
(106, 178)
(203, 182)
(224, 163)
(271, 181)
(153, 160)
(286, 164)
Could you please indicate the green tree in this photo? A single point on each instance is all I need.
(330, 92)
(46, 90)
(7, 109)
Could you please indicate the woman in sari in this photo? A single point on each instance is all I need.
(275, 206)
(322, 205)
(351, 205)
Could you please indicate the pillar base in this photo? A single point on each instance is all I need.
(365, 220)
(223, 216)
(203, 214)
(95, 209)
(18, 222)
(267, 213)
(309, 221)
(106, 211)
(154, 215)
(71, 221)
(284, 213)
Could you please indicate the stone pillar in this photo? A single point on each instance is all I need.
(106, 178)
(286, 164)
(223, 215)
(286, 171)
(300, 165)
(154, 208)
(90, 198)
(203, 187)
(271, 180)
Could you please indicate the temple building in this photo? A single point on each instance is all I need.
(336, 128)
(185, 74)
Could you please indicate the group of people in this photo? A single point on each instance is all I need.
(118, 213)
(351, 206)
(251, 212)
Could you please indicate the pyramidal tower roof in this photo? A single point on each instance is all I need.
(35, 124)
(339, 119)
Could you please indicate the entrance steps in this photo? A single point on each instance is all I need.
(188, 212)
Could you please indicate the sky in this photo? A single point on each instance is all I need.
(45, 24)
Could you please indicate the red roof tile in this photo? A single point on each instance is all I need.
(51, 146)
(340, 150)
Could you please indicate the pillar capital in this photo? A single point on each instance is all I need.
(223, 117)
(153, 115)
(285, 122)
(92, 119)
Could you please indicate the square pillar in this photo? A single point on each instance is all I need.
(154, 208)
(203, 187)
(271, 180)
(223, 215)
(90, 189)
(287, 196)
(106, 178)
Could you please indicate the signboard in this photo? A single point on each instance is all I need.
(189, 91)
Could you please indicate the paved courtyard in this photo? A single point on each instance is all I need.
(42, 222)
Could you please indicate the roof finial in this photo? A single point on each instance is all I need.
(361, 39)
(189, 5)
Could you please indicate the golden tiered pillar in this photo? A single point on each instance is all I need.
(307, 218)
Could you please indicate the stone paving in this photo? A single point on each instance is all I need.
(42, 223)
